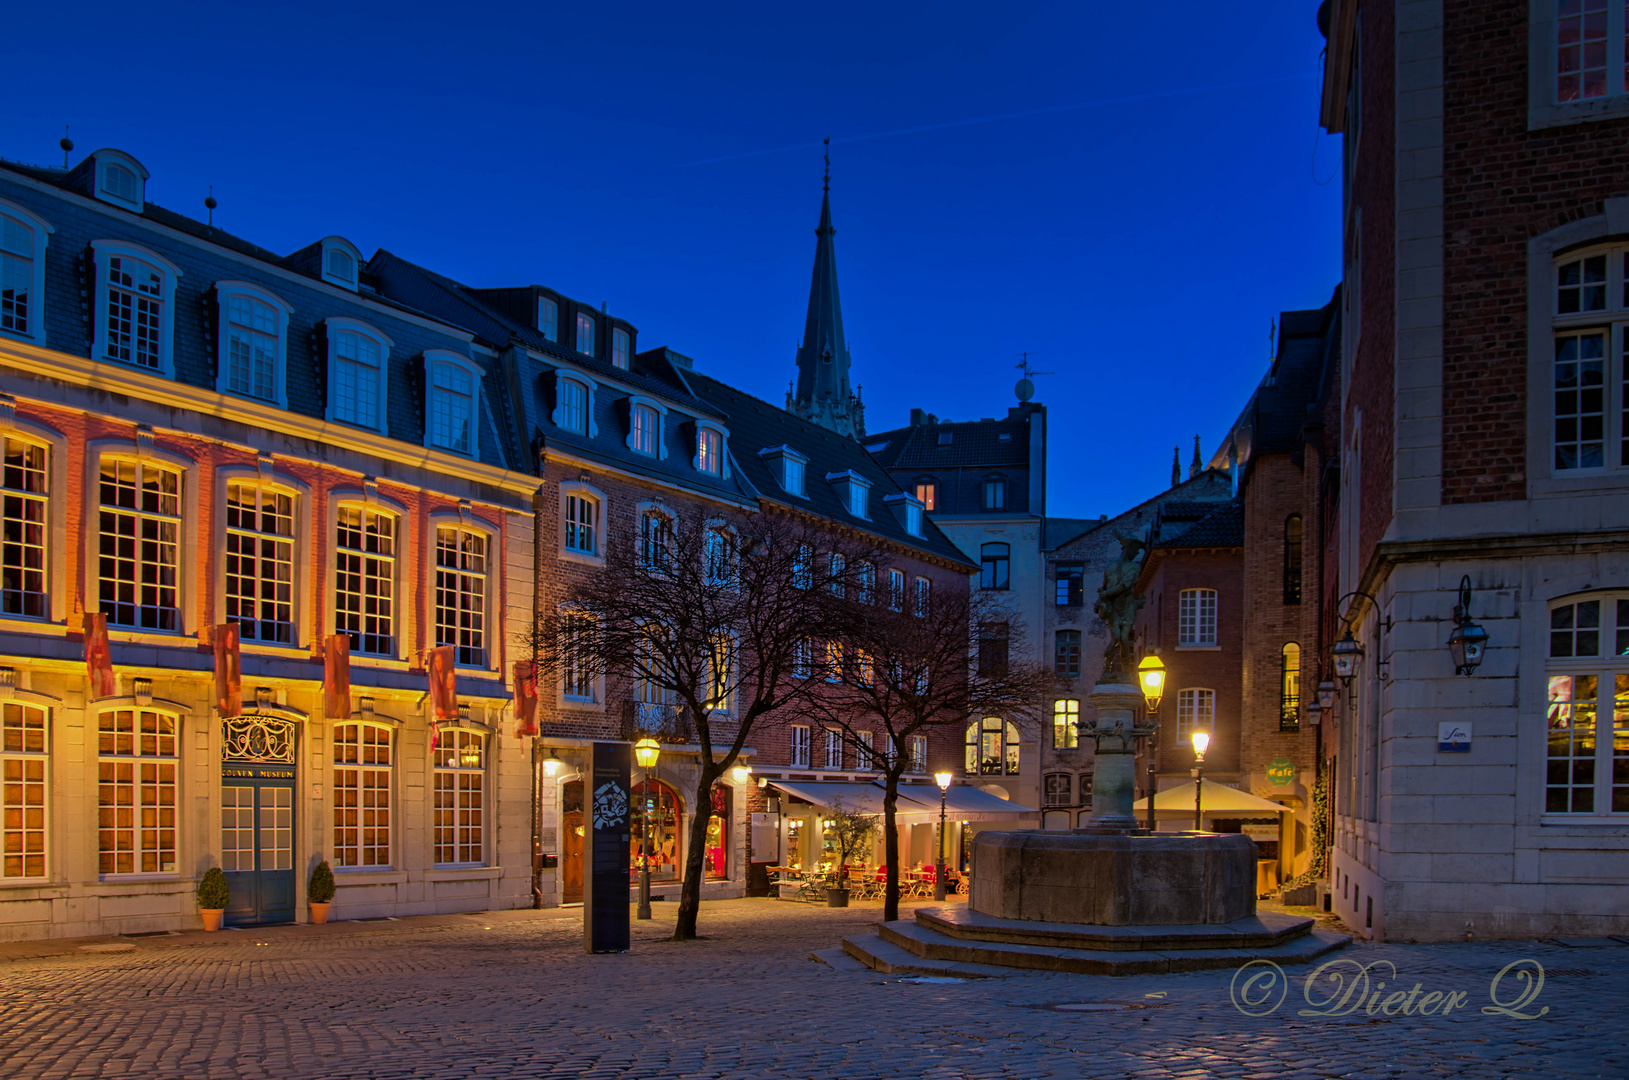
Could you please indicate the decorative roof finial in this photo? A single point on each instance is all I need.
(210, 204)
(67, 145)
(825, 184)
(1176, 465)
(1272, 339)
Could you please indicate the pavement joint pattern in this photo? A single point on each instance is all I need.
(512, 994)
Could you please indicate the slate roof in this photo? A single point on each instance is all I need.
(1057, 531)
(973, 444)
(757, 425)
(1223, 527)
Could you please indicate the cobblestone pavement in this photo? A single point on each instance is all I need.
(511, 994)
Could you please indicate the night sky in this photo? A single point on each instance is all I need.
(1130, 192)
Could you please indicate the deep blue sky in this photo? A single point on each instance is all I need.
(1128, 191)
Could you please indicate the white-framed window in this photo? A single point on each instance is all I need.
(572, 405)
(1587, 715)
(120, 179)
(913, 519)
(865, 757)
(720, 663)
(253, 342)
(834, 749)
(1066, 723)
(832, 662)
(802, 658)
(995, 493)
(896, 590)
(792, 474)
(24, 765)
(619, 348)
(1058, 789)
(919, 754)
(139, 545)
(24, 526)
(992, 747)
(259, 563)
(655, 539)
(1590, 420)
(459, 824)
(642, 430)
(579, 679)
(718, 548)
(1587, 66)
(358, 360)
(800, 745)
(138, 756)
(865, 583)
(803, 567)
(582, 523)
(924, 597)
(341, 262)
(836, 565)
(454, 385)
(460, 592)
(1195, 711)
(548, 318)
(710, 450)
(365, 542)
(927, 493)
(362, 780)
(1196, 617)
(788, 467)
(23, 237)
(135, 302)
(585, 333)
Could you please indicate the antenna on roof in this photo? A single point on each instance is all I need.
(825, 184)
(210, 204)
(1025, 388)
(67, 145)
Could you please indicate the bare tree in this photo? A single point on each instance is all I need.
(912, 669)
(708, 613)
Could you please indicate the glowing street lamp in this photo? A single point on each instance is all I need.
(741, 774)
(1201, 742)
(645, 752)
(943, 780)
(1151, 675)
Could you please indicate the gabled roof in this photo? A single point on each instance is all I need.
(1223, 527)
(971, 444)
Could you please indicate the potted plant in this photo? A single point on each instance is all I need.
(851, 833)
(319, 893)
(213, 896)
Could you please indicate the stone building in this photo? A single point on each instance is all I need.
(1482, 466)
(201, 435)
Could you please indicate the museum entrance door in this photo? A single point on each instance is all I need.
(257, 820)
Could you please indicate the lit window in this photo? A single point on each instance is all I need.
(927, 492)
(619, 348)
(1196, 711)
(357, 357)
(1289, 688)
(365, 580)
(995, 493)
(800, 745)
(460, 797)
(644, 424)
(452, 407)
(572, 411)
(138, 756)
(139, 555)
(23, 761)
(23, 493)
(1587, 720)
(1196, 617)
(709, 451)
(1065, 723)
(833, 665)
(260, 563)
(995, 562)
(253, 340)
(1071, 585)
(919, 754)
(460, 593)
(548, 318)
(720, 663)
(585, 333)
(992, 747)
(1066, 654)
(362, 783)
(582, 524)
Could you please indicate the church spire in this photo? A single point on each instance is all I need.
(823, 394)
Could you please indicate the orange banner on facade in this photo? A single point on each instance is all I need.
(444, 683)
(336, 677)
(228, 670)
(99, 657)
(525, 698)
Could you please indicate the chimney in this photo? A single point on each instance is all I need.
(918, 417)
(1193, 469)
(1176, 465)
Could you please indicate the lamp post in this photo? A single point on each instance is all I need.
(1151, 677)
(943, 780)
(1201, 740)
(646, 751)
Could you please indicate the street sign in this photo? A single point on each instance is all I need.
(1280, 772)
(1454, 738)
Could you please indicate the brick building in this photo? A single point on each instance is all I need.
(1482, 442)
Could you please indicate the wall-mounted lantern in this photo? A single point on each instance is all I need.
(1468, 641)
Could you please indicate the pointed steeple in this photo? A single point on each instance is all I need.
(823, 394)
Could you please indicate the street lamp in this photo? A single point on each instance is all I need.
(645, 752)
(1468, 640)
(552, 765)
(943, 780)
(1326, 695)
(1346, 653)
(741, 774)
(1151, 676)
(1201, 740)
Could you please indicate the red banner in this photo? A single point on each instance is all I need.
(444, 683)
(336, 677)
(99, 657)
(525, 698)
(228, 670)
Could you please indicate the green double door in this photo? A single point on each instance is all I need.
(257, 844)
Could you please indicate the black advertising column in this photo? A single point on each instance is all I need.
(608, 802)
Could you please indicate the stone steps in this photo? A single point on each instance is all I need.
(915, 947)
(1262, 930)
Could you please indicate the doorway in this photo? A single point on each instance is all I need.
(571, 842)
(257, 819)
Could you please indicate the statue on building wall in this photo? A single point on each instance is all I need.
(1117, 605)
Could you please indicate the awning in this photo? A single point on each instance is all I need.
(1219, 800)
(918, 803)
(963, 803)
(854, 798)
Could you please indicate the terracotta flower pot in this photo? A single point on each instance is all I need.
(212, 917)
(319, 913)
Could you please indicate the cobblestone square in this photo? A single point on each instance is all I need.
(512, 994)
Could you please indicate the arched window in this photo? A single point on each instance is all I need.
(659, 834)
(992, 747)
(139, 557)
(1292, 560)
(995, 566)
(358, 357)
(365, 579)
(455, 386)
(642, 434)
(460, 592)
(252, 342)
(1587, 720)
(362, 794)
(581, 522)
(1289, 688)
(571, 406)
(460, 797)
(24, 489)
(24, 755)
(655, 539)
(138, 755)
(23, 238)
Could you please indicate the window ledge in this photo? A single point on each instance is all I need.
(567, 555)
(21, 625)
(382, 662)
(364, 876)
(44, 888)
(147, 637)
(572, 703)
(464, 873)
(1618, 822)
(109, 883)
(1199, 648)
(261, 648)
(1558, 114)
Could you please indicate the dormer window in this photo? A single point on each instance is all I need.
(710, 450)
(22, 272)
(913, 519)
(928, 492)
(120, 179)
(119, 182)
(339, 262)
(645, 422)
(574, 403)
(787, 465)
(548, 318)
(455, 385)
(358, 357)
(907, 510)
(944, 438)
(253, 340)
(585, 333)
(619, 348)
(854, 490)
